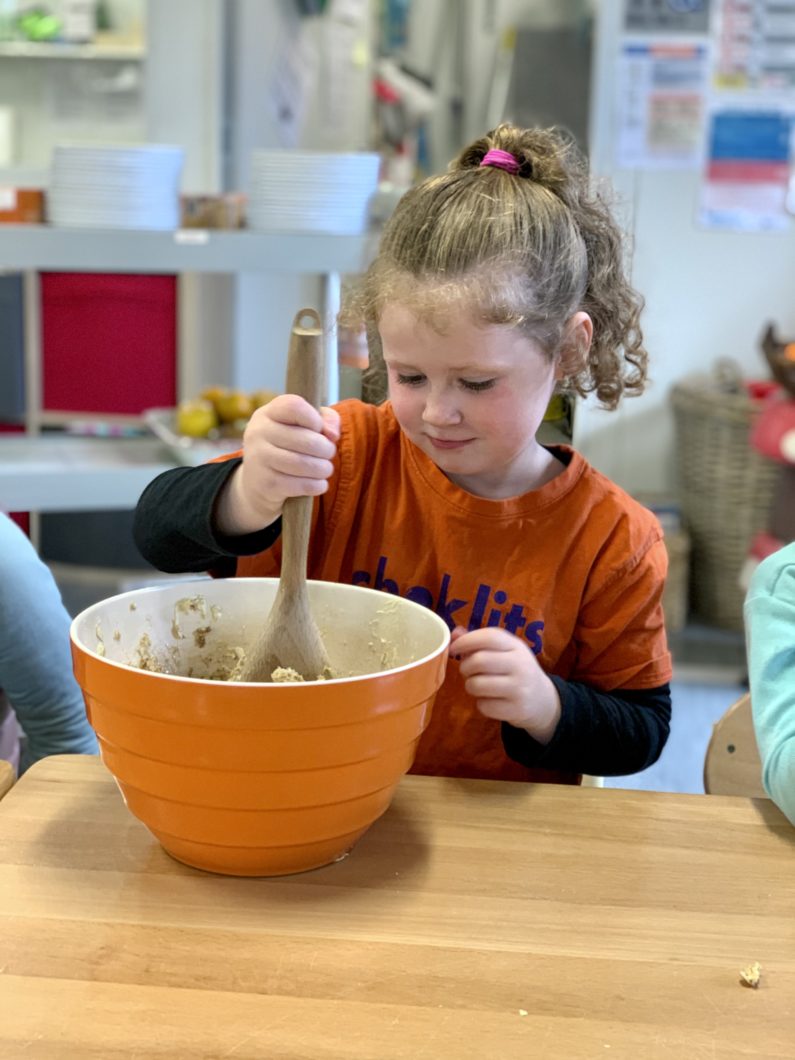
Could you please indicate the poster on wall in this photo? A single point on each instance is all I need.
(749, 164)
(747, 171)
(754, 45)
(710, 86)
(294, 80)
(666, 16)
(661, 91)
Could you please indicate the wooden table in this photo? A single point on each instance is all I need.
(474, 920)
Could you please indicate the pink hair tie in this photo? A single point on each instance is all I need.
(500, 160)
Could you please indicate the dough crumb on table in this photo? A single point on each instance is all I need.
(750, 976)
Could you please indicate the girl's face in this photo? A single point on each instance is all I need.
(471, 398)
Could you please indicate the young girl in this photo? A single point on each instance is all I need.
(494, 284)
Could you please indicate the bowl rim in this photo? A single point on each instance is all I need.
(185, 584)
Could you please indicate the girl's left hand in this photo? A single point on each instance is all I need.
(506, 681)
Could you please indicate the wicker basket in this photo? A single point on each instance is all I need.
(675, 601)
(726, 490)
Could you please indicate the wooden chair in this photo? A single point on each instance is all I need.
(732, 765)
(7, 777)
(589, 781)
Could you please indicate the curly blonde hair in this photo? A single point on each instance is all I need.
(526, 250)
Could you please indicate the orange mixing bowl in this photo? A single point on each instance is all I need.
(256, 779)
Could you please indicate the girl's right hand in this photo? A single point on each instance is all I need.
(288, 449)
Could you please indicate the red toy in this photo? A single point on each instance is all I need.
(773, 436)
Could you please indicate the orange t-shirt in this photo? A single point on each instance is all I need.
(575, 568)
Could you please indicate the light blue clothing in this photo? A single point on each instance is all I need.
(35, 660)
(770, 637)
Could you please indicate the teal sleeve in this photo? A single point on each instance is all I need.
(35, 659)
(770, 636)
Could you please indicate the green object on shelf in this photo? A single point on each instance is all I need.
(38, 25)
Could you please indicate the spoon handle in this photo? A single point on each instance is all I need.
(305, 377)
(305, 357)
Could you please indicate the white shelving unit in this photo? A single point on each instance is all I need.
(39, 475)
(44, 474)
(41, 247)
(107, 52)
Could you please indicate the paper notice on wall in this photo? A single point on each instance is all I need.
(352, 11)
(294, 81)
(748, 169)
(754, 45)
(7, 136)
(660, 105)
(340, 42)
(666, 16)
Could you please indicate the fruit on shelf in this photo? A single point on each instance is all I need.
(214, 394)
(220, 412)
(196, 418)
(234, 405)
(262, 397)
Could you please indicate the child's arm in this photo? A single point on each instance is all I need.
(173, 526)
(770, 633)
(196, 518)
(503, 676)
(288, 449)
(602, 733)
(558, 724)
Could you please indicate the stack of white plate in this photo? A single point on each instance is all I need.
(125, 186)
(311, 191)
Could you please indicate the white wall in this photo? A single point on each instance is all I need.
(184, 85)
(708, 294)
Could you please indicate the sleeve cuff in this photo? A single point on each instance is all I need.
(249, 544)
(235, 545)
(521, 746)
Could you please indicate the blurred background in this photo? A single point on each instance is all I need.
(134, 278)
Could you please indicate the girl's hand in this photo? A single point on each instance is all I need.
(505, 680)
(288, 449)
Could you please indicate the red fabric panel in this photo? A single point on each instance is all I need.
(22, 519)
(109, 342)
(773, 424)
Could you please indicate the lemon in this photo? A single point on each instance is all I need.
(262, 397)
(196, 418)
(234, 405)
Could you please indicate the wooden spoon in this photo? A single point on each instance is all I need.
(290, 639)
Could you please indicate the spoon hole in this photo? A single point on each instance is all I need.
(307, 318)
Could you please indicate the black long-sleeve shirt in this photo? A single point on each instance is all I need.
(604, 733)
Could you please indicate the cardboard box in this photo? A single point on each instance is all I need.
(213, 211)
(21, 206)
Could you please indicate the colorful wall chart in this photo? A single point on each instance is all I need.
(747, 171)
(661, 93)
